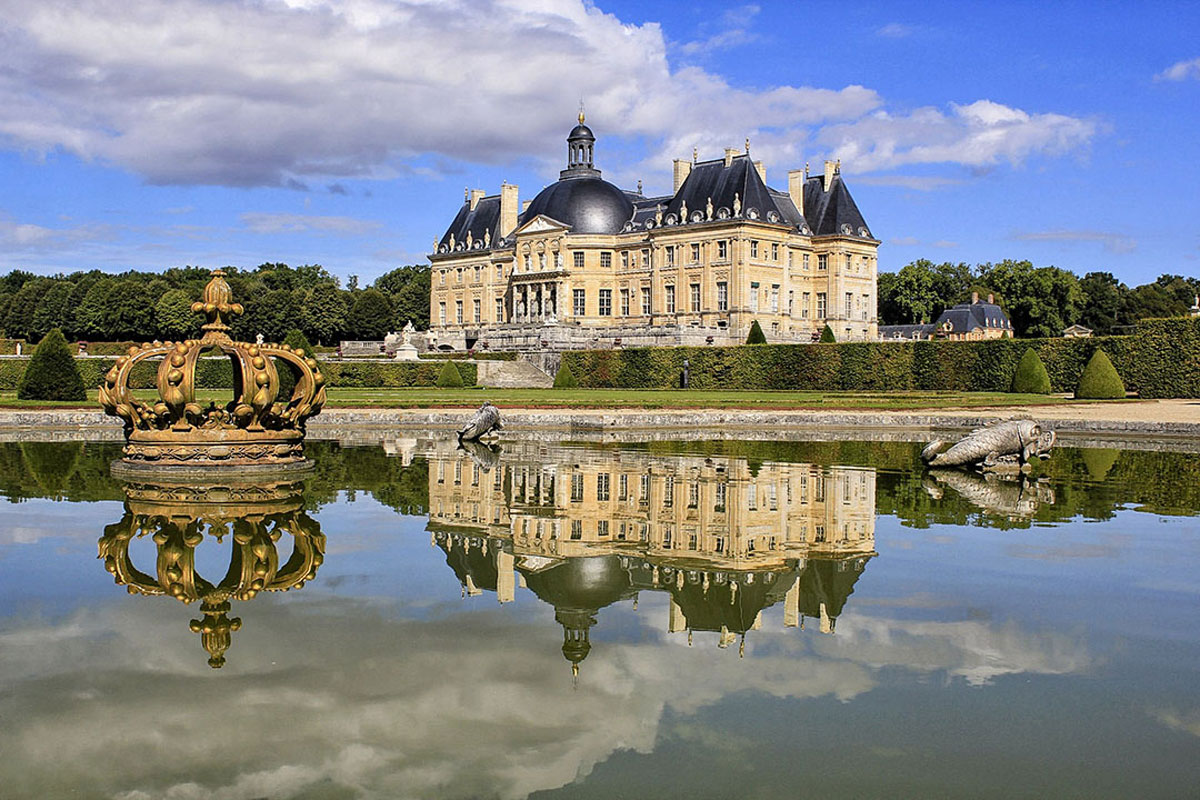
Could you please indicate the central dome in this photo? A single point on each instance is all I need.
(588, 205)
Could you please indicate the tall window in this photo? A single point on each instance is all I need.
(441, 313)
(669, 491)
(606, 302)
(775, 298)
(849, 305)
(577, 487)
(603, 486)
(624, 259)
(443, 274)
(805, 304)
(644, 488)
(525, 262)
(753, 296)
(753, 249)
(541, 261)
(695, 291)
(499, 309)
(499, 272)
(774, 251)
(558, 260)
(820, 305)
(478, 273)
(578, 259)
(866, 306)
(623, 486)
(458, 311)
(806, 261)
(722, 296)
(670, 250)
(459, 271)
(791, 256)
(476, 304)
(823, 261)
(695, 252)
(645, 301)
(578, 302)
(791, 302)
(849, 262)
(646, 257)
(624, 302)
(722, 250)
(606, 260)
(670, 299)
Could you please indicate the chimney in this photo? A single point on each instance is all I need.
(683, 168)
(830, 171)
(730, 152)
(761, 170)
(974, 298)
(475, 196)
(508, 209)
(796, 188)
(991, 298)
(525, 206)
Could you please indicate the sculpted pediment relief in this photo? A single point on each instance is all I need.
(542, 224)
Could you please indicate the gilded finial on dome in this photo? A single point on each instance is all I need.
(581, 111)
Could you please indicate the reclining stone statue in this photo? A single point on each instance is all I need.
(1005, 446)
(486, 420)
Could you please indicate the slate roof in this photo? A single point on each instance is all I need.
(925, 331)
(484, 217)
(966, 317)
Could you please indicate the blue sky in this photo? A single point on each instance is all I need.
(148, 134)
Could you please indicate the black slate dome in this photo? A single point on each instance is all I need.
(581, 131)
(588, 205)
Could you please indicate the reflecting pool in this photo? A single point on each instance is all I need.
(659, 619)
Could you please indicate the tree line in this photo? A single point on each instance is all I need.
(96, 306)
(1039, 301)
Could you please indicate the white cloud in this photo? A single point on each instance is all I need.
(895, 30)
(1180, 70)
(26, 236)
(920, 183)
(735, 31)
(1112, 242)
(978, 134)
(264, 222)
(256, 93)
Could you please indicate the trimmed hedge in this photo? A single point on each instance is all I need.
(756, 335)
(217, 373)
(52, 374)
(1160, 359)
(564, 379)
(449, 377)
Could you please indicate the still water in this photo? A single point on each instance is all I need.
(669, 619)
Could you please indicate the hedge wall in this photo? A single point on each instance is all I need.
(1161, 359)
(217, 373)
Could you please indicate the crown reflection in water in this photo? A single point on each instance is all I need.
(178, 517)
(255, 428)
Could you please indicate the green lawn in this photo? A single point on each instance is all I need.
(621, 398)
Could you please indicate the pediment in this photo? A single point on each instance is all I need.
(543, 224)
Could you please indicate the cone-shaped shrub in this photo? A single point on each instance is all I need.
(756, 334)
(1099, 380)
(295, 339)
(564, 378)
(51, 374)
(450, 377)
(1031, 376)
(827, 336)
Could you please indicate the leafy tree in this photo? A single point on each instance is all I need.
(1103, 299)
(173, 316)
(1031, 376)
(827, 336)
(51, 374)
(324, 313)
(409, 289)
(371, 317)
(1041, 301)
(564, 378)
(53, 310)
(1099, 380)
(90, 313)
(6, 299)
(18, 323)
(129, 313)
(756, 335)
(450, 377)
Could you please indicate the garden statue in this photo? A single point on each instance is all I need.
(257, 428)
(999, 446)
(1011, 496)
(486, 420)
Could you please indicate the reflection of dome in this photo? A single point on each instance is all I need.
(578, 588)
(473, 561)
(588, 205)
(729, 602)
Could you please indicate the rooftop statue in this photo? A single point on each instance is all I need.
(256, 428)
(1000, 446)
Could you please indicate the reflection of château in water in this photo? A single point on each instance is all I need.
(583, 529)
(177, 517)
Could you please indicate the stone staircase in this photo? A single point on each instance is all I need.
(511, 375)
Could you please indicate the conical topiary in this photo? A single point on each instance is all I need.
(756, 334)
(1100, 380)
(827, 336)
(450, 378)
(564, 378)
(52, 374)
(1031, 376)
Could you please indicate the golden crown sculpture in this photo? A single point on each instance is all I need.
(176, 516)
(253, 429)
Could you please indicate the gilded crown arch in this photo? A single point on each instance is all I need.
(252, 429)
